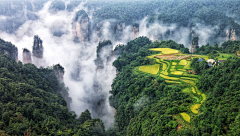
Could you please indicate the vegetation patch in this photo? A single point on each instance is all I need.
(153, 69)
(167, 77)
(175, 82)
(174, 63)
(152, 56)
(189, 78)
(188, 66)
(193, 90)
(165, 50)
(196, 99)
(194, 108)
(183, 62)
(186, 90)
(180, 67)
(203, 98)
(186, 117)
(177, 73)
(189, 82)
(198, 92)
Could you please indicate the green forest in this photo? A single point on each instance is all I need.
(31, 104)
(160, 88)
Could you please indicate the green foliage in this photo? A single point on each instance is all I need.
(221, 110)
(31, 104)
(134, 93)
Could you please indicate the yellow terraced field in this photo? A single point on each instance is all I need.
(186, 90)
(189, 82)
(194, 108)
(193, 90)
(165, 50)
(174, 63)
(169, 78)
(172, 70)
(152, 56)
(164, 66)
(173, 67)
(188, 66)
(168, 81)
(189, 78)
(203, 98)
(164, 73)
(177, 73)
(183, 62)
(186, 117)
(153, 69)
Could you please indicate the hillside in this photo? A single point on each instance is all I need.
(160, 85)
(31, 103)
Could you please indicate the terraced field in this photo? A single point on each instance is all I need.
(153, 69)
(175, 72)
(165, 50)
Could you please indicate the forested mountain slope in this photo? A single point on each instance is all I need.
(31, 104)
(156, 96)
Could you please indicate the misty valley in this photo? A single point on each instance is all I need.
(120, 67)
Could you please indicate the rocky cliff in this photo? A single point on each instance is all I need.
(37, 47)
(231, 35)
(135, 30)
(104, 51)
(194, 44)
(119, 29)
(81, 27)
(59, 72)
(27, 56)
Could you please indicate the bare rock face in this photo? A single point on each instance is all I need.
(81, 27)
(59, 72)
(104, 50)
(231, 35)
(119, 29)
(37, 47)
(27, 56)
(194, 44)
(135, 30)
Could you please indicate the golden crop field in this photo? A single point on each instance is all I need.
(173, 67)
(177, 73)
(189, 78)
(189, 82)
(153, 69)
(186, 117)
(188, 66)
(152, 56)
(172, 70)
(186, 90)
(194, 108)
(165, 50)
(167, 77)
(183, 62)
(165, 72)
(203, 98)
(174, 63)
(164, 66)
(193, 90)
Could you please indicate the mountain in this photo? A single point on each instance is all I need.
(122, 67)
